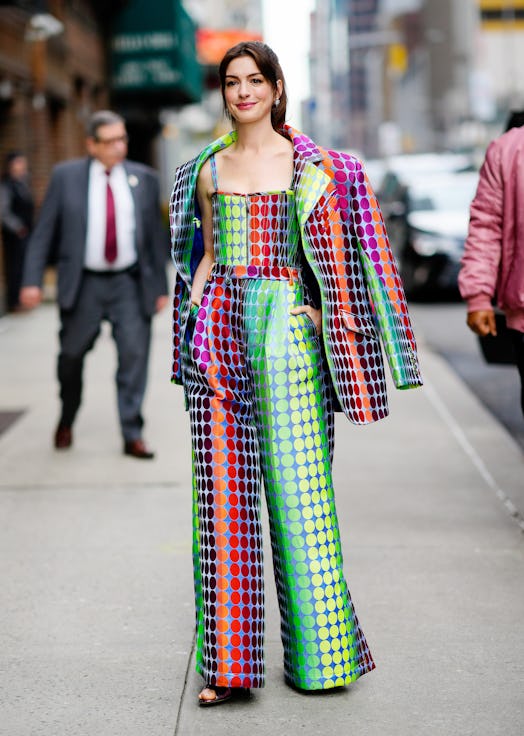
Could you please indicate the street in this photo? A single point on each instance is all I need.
(96, 621)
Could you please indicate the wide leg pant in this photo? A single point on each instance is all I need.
(257, 402)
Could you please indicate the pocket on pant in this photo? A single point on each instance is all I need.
(311, 324)
(304, 333)
(309, 327)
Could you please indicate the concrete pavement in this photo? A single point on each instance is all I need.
(96, 618)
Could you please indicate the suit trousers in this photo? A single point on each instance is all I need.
(113, 297)
(253, 379)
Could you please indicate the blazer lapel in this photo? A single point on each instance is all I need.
(134, 186)
(84, 189)
(311, 181)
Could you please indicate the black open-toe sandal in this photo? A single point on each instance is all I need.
(223, 694)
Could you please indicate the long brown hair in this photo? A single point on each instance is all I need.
(268, 65)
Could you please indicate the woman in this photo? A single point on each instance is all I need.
(276, 243)
(17, 209)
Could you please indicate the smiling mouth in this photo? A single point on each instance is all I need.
(245, 105)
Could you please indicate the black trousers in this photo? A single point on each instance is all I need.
(518, 342)
(14, 256)
(115, 298)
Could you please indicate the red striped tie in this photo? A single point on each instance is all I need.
(110, 250)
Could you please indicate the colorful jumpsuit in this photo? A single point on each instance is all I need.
(254, 386)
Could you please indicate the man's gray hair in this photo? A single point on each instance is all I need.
(99, 118)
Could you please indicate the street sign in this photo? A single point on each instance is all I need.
(153, 52)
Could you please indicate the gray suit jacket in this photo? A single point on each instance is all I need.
(62, 225)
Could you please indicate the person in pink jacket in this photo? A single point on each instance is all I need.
(493, 261)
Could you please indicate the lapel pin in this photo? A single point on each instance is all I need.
(132, 180)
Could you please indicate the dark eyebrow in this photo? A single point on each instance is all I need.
(255, 74)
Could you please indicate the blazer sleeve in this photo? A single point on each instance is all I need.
(159, 239)
(383, 282)
(44, 236)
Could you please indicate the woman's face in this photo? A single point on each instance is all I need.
(249, 96)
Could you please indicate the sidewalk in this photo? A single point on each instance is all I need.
(96, 618)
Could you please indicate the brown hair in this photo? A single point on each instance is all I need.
(269, 66)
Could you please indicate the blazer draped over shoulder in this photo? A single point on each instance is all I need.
(347, 249)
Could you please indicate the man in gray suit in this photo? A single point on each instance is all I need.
(101, 221)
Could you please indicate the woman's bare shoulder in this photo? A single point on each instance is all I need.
(225, 154)
(283, 143)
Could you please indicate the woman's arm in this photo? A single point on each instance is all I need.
(204, 190)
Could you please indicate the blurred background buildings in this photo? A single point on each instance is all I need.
(386, 76)
(392, 76)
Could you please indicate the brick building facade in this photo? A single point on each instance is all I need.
(51, 81)
(48, 87)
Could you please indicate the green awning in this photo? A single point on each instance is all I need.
(153, 52)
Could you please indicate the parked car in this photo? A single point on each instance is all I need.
(427, 218)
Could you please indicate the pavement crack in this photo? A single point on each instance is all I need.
(462, 440)
(184, 686)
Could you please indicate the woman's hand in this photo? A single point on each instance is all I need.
(314, 314)
(200, 278)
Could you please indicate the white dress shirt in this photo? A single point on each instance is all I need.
(96, 219)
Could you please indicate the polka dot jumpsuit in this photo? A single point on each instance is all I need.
(254, 386)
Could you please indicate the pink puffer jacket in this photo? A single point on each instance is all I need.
(493, 260)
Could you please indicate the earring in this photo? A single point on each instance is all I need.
(276, 102)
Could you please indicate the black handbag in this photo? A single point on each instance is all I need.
(499, 349)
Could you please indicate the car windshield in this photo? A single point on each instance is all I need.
(451, 193)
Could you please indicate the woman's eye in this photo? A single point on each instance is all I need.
(257, 80)
(231, 83)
